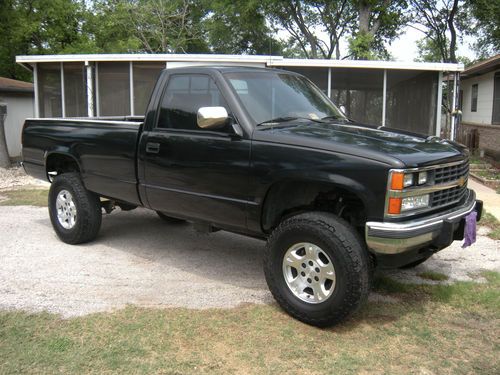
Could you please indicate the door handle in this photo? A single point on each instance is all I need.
(152, 148)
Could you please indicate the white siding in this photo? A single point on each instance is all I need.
(484, 99)
(19, 107)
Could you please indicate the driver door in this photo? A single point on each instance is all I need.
(191, 172)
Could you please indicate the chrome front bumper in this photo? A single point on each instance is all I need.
(437, 230)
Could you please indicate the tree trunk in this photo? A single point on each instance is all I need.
(4, 153)
(364, 18)
(453, 32)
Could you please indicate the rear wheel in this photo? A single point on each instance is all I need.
(169, 219)
(317, 268)
(75, 212)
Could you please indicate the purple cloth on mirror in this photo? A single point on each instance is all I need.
(470, 229)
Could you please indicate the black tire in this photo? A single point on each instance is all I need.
(170, 219)
(414, 264)
(88, 210)
(351, 261)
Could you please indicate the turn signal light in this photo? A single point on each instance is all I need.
(394, 205)
(397, 180)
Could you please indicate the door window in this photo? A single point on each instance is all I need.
(184, 95)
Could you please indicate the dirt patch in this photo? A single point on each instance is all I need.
(14, 178)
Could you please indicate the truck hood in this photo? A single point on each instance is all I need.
(397, 147)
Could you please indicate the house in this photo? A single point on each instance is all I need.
(19, 97)
(480, 106)
(387, 93)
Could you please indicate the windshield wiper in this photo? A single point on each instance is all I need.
(326, 118)
(287, 119)
(332, 118)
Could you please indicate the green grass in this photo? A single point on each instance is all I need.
(431, 275)
(26, 197)
(489, 174)
(476, 160)
(490, 221)
(445, 329)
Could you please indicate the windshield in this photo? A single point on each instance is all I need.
(277, 97)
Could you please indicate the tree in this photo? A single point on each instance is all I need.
(379, 21)
(486, 26)
(316, 27)
(149, 26)
(440, 22)
(239, 27)
(39, 27)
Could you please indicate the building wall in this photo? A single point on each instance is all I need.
(485, 86)
(19, 107)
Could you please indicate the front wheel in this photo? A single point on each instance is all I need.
(74, 211)
(317, 268)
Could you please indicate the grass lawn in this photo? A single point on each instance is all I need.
(490, 221)
(444, 329)
(24, 197)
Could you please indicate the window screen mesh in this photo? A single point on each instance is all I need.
(49, 86)
(114, 88)
(411, 101)
(145, 76)
(75, 89)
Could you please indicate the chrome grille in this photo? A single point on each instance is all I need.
(451, 173)
(448, 196)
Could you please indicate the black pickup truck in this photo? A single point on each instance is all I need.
(264, 153)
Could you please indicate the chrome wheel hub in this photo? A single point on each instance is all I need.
(309, 272)
(66, 209)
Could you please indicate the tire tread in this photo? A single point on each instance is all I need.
(353, 246)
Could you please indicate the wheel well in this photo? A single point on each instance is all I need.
(60, 163)
(292, 197)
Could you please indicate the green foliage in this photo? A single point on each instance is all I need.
(39, 27)
(148, 26)
(428, 50)
(486, 29)
(239, 27)
(314, 29)
(360, 46)
(379, 22)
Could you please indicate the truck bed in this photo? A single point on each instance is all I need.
(104, 148)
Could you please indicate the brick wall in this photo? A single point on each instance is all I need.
(489, 138)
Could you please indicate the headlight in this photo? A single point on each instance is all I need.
(408, 179)
(413, 203)
(401, 180)
(422, 178)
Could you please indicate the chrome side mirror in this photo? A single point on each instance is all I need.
(342, 109)
(212, 117)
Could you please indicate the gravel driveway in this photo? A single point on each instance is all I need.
(139, 259)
